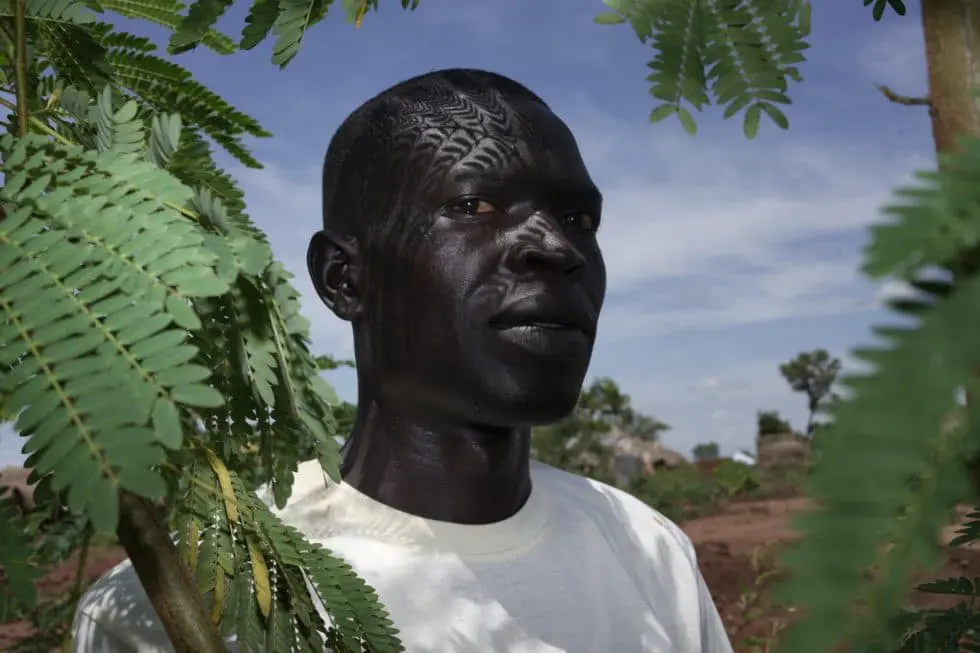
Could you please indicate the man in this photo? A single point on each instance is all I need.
(459, 239)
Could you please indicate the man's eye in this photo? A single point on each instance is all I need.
(473, 206)
(581, 220)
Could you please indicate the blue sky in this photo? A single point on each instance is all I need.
(725, 256)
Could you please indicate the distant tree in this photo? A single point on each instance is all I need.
(813, 373)
(606, 406)
(770, 423)
(705, 451)
(344, 411)
(645, 427)
(603, 404)
(327, 362)
(601, 407)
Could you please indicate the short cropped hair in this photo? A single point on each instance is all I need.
(359, 173)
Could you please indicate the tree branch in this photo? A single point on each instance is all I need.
(904, 99)
(20, 64)
(165, 578)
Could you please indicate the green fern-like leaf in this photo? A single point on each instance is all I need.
(118, 130)
(166, 87)
(258, 24)
(903, 408)
(678, 75)
(859, 500)
(354, 608)
(97, 268)
(76, 56)
(878, 10)
(15, 549)
(144, 321)
(741, 54)
(295, 17)
(164, 139)
(940, 631)
(53, 11)
(166, 13)
(197, 23)
(222, 551)
(969, 531)
(111, 38)
(934, 221)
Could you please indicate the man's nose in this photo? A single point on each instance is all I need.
(546, 248)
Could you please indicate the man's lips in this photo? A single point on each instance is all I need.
(537, 315)
(531, 323)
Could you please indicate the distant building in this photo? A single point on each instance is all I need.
(782, 450)
(14, 485)
(632, 456)
(743, 457)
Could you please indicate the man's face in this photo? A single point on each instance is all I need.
(483, 304)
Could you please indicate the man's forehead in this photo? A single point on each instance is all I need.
(463, 120)
(464, 137)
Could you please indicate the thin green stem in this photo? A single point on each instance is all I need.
(76, 588)
(20, 64)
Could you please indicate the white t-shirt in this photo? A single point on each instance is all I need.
(581, 568)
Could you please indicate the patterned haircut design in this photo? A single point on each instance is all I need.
(408, 137)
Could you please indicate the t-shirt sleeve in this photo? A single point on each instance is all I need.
(714, 637)
(677, 560)
(116, 616)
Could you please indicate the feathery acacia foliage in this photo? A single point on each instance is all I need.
(908, 406)
(149, 342)
(741, 54)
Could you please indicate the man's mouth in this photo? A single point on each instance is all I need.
(543, 313)
(533, 324)
(522, 320)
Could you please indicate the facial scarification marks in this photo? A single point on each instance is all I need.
(408, 137)
(401, 145)
(442, 132)
(472, 131)
(539, 242)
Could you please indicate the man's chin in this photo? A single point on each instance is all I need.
(528, 410)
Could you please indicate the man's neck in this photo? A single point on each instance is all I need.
(459, 474)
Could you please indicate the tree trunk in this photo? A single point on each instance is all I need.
(951, 29)
(165, 578)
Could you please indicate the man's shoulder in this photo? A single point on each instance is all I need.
(115, 614)
(612, 507)
(309, 481)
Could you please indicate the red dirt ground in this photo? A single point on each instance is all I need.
(736, 549)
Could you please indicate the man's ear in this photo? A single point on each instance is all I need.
(333, 266)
